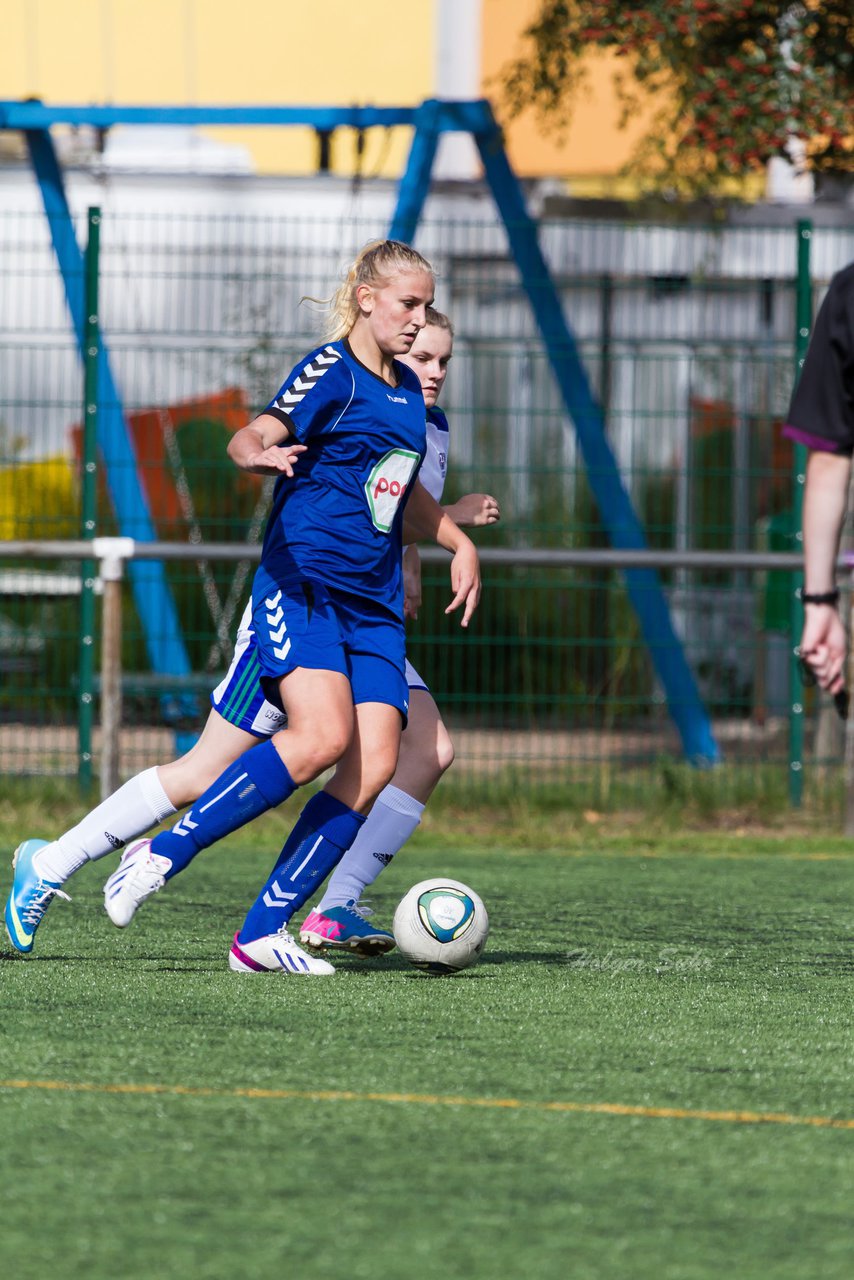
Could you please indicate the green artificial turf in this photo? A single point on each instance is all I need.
(683, 973)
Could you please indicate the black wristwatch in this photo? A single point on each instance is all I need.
(820, 597)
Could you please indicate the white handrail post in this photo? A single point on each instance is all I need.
(112, 553)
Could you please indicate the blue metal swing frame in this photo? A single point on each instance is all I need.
(165, 644)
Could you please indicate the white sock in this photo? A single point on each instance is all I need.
(389, 825)
(129, 812)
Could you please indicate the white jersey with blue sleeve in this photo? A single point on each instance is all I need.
(432, 476)
(435, 469)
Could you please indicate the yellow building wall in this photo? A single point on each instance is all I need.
(289, 52)
(262, 52)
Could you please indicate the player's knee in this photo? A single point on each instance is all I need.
(327, 744)
(445, 753)
(379, 773)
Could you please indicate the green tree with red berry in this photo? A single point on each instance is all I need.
(737, 82)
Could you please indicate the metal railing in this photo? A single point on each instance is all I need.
(111, 555)
(690, 339)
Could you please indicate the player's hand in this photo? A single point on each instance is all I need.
(279, 459)
(824, 645)
(411, 582)
(465, 581)
(475, 509)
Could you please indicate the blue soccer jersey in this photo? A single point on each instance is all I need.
(338, 519)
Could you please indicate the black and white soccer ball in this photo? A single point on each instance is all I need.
(441, 926)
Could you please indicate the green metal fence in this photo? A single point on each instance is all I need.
(690, 336)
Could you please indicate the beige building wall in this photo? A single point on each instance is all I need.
(188, 52)
(593, 148)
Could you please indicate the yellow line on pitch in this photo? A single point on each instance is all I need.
(436, 1100)
(710, 855)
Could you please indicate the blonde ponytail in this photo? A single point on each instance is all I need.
(375, 265)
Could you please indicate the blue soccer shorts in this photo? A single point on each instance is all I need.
(317, 628)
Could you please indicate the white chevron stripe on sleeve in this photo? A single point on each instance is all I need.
(308, 377)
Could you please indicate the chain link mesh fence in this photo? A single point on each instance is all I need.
(687, 336)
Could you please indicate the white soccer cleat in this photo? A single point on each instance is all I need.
(275, 953)
(140, 874)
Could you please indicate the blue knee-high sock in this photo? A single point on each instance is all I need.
(324, 831)
(258, 781)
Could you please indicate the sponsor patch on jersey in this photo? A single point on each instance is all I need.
(387, 484)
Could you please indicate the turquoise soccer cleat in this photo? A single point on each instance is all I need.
(345, 929)
(30, 897)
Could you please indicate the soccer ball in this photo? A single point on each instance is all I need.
(441, 926)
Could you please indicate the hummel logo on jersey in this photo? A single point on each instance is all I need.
(397, 399)
(308, 378)
(276, 897)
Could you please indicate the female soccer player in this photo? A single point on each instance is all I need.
(241, 715)
(426, 750)
(327, 605)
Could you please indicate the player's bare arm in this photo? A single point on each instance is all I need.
(425, 519)
(823, 641)
(262, 447)
(411, 582)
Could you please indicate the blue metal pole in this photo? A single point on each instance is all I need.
(161, 626)
(35, 115)
(430, 120)
(618, 515)
(415, 183)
